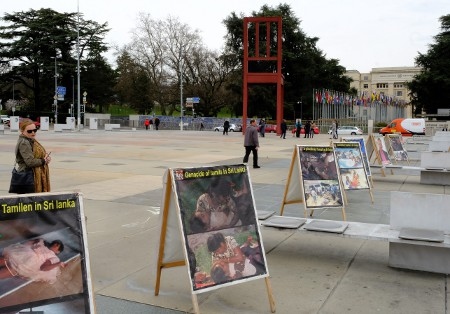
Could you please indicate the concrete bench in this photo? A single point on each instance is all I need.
(439, 146)
(435, 160)
(59, 127)
(418, 139)
(422, 211)
(110, 127)
(436, 176)
(442, 134)
(436, 168)
(416, 147)
(407, 210)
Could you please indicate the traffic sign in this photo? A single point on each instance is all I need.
(61, 90)
(194, 100)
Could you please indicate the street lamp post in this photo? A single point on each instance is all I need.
(55, 98)
(181, 89)
(78, 66)
(301, 108)
(14, 87)
(73, 96)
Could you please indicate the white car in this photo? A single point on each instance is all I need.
(348, 130)
(233, 128)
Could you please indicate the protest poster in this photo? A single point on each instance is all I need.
(362, 146)
(351, 165)
(320, 177)
(219, 226)
(44, 264)
(396, 147)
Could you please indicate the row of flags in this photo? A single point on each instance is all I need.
(330, 97)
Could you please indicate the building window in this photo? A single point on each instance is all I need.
(382, 85)
(398, 85)
(366, 78)
(366, 86)
(399, 93)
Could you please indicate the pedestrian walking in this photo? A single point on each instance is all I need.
(226, 126)
(262, 127)
(251, 143)
(307, 128)
(334, 129)
(283, 129)
(311, 131)
(298, 127)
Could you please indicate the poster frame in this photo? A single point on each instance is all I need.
(46, 217)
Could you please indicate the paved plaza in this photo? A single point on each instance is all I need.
(120, 175)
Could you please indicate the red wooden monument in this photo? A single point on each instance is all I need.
(262, 52)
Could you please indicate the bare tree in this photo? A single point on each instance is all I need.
(160, 47)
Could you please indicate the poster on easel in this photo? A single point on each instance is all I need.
(313, 179)
(396, 147)
(44, 263)
(216, 221)
(351, 167)
(362, 146)
(380, 149)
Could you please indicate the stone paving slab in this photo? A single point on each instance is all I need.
(120, 175)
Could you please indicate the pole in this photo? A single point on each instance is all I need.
(14, 87)
(78, 66)
(56, 90)
(73, 96)
(181, 89)
(301, 108)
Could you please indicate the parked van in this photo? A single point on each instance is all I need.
(405, 127)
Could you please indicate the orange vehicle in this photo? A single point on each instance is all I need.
(407, 127)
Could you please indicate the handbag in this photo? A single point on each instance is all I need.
(22, 182)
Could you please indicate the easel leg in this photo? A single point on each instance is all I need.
(371, 195)
(162, 239)
(158, 280)
(270, 295)
(344, 217)
(195, 304)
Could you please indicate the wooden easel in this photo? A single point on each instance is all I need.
(169, 212)
(294, 189)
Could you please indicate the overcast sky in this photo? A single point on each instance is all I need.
(361, 34)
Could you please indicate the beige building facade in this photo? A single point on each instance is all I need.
(389, 82)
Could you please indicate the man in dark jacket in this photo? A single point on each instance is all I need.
(283, 129)
(226, 126)
(251, 143)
